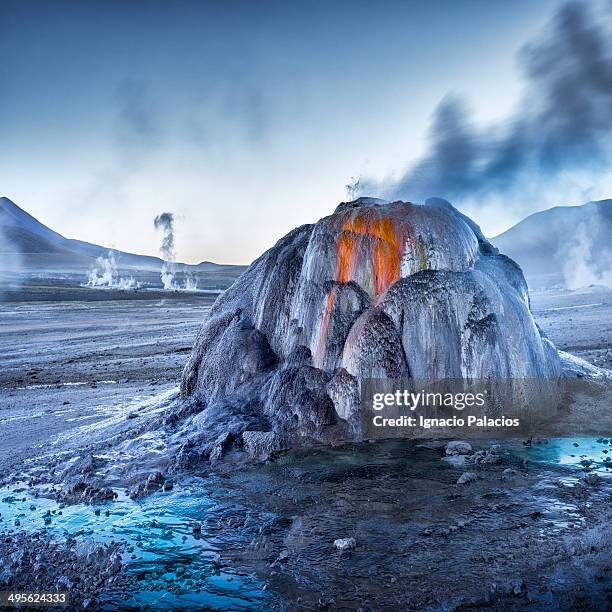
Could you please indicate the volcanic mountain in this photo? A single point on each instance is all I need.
(375, 290)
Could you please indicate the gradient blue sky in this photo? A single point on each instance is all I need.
(245, 119)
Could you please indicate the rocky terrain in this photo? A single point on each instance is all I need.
(192, 502)
(400, 502)
(82, 571)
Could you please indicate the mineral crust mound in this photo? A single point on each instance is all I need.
(375, 290)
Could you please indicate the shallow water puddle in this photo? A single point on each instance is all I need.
(172, 568)
(588, 453)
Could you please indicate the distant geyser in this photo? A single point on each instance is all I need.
(376, 290)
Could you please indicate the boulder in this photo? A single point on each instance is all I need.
(345, 543)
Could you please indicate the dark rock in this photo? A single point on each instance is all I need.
(260, 444)
(458, 447)
(83, 466)
(153, 483)
(86, 493)
(593, 479)
(466, 478)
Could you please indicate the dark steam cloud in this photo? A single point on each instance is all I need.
(165, 222)
(563, 124)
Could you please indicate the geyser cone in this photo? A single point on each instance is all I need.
(375, 290)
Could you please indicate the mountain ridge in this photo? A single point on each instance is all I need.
(554, 245)
(40, 247)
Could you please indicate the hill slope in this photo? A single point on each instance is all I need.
(564, 245)
(32, 246)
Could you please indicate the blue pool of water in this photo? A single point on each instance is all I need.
(594, 454)
(172, 568)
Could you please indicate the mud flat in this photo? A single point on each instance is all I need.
(515, 537)
(518, 535)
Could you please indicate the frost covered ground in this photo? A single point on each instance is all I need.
(69, 364)
(579, 322)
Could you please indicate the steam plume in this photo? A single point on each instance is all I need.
(105, 275)
(10, 263)
(586, 262)
(561, 128)
(165, 223)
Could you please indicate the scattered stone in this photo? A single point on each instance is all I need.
(427, 531)
(86, 493)
(485, 456)
(466, 478)
(345, 543)
(187, 457)
(153, 483)
(167, 533)
(220, 446)
(592, 479)
(196, 528)
(458, 447)
(63, 583)
(83, 466)
(516, 587)
(579, 489)
(456, 461)
(84, 569)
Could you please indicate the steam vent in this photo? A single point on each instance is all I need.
(376, 290)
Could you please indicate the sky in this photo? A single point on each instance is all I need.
(246, 119)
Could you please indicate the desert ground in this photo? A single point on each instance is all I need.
(528, 533)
